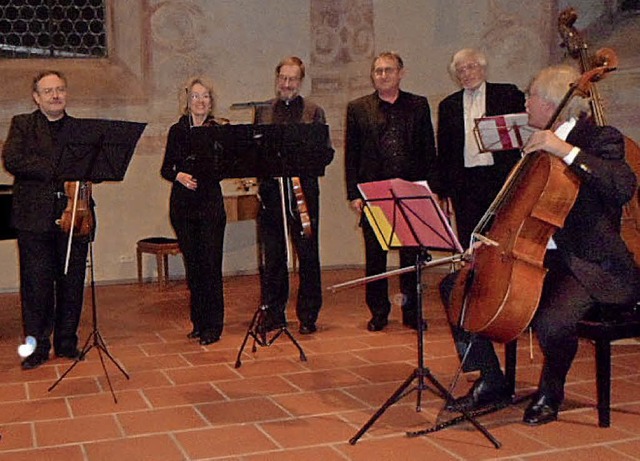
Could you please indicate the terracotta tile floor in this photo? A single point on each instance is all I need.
(188, 402)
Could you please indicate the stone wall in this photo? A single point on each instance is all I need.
(155, 45)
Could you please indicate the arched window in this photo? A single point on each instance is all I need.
(52, 29)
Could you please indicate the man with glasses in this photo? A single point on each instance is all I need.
(389, 134)
(470, 179)
(51, 301)
(290, 107)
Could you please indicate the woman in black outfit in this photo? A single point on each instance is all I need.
(197, 215)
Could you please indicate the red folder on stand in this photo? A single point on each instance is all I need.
(406, 214)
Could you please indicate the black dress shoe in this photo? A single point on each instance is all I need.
(542, 410)
(377, 324)
(35, 360)
(73, 354)
(193, 334)
(207, 338)
(482, 394)
(308, 328)
(414, 325)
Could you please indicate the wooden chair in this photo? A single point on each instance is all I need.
(161, 247)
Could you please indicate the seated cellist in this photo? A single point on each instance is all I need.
(587, 261)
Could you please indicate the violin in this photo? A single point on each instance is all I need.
(301, 205)
(77, 215)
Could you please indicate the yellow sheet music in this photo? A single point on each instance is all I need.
(383, 230)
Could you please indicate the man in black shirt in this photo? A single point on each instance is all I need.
(389, 135)
(51, 300)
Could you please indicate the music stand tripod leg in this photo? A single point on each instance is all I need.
(95, 335)
(447, 396)
(257, 330)
(252, 331)
(420, 372)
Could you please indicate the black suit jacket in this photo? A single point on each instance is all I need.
(590, 241)
(31, 155)
(501, 98)
(364, 159)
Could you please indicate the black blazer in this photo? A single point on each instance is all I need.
(184, 203)
(31, 155)
(590, 240)
(501, 98)
(363, 157)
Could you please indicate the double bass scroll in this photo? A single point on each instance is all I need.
(577, 48)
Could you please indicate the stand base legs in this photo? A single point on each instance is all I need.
(257, 330)
(94, 340)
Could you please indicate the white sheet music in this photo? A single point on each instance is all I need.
(502, 132)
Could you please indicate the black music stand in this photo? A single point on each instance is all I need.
(97, 150)
(403, 215)
(239, 151)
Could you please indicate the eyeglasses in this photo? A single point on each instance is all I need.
(467, 68)
(380, 71)
(287, 79)
(198, 97)
(50, 91)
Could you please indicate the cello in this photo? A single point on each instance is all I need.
(577, 48)
(498, 292)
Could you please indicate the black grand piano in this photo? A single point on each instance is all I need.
(6, 232)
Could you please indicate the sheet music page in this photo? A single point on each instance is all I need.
(503, 132)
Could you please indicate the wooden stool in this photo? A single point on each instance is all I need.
(162, 247)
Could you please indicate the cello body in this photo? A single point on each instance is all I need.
(630, 223)
(497, 294)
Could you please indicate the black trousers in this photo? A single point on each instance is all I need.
(470, 204)
(564, 302)
(275, 275)
(51, 301)
(377, 293)
(200, 233)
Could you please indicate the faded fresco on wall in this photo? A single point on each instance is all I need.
(156, 44)
(342, 33)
